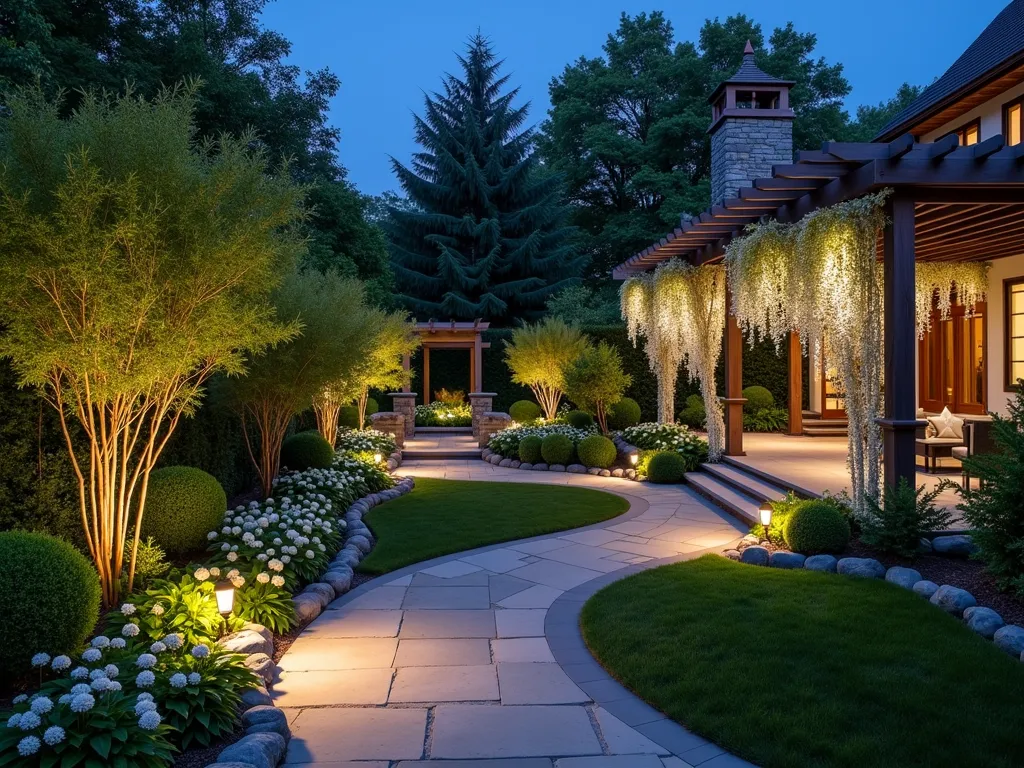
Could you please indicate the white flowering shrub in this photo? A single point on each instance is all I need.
(506, 442)
(365, 441)
(442, 414)
(677, 438)
(186, 605)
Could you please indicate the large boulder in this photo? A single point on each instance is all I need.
(261, 750)
(861, 567)
(307, 607)
(1010, 639)
(261, 665)
(246, 641)
(902, 577)
(953, 600)
(786, 560)
(954, 546)
(925, 588)
(256, 697)
(755, 556)
(984, 621)
(823, 563)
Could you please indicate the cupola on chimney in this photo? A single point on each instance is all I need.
(751, 128)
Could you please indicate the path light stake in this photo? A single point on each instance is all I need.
(634, 458)
(765, 511)
(376, 458)
(225, 593)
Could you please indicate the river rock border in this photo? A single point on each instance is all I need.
(394, 460)
(953, 600)
(576, 469)
(266, 727)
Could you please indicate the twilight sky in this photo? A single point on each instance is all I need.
(387, 52)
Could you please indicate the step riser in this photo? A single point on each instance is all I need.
(765, 477)
(747, 484)
(726, 505)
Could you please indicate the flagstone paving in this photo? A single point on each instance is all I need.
(475, 660)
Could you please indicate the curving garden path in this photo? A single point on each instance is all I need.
(476, 658)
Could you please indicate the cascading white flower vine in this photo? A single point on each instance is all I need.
(652, 317)
(936, 282)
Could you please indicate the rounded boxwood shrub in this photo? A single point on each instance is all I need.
(306, 450)
(524, 411)
(348, 416)
(815, 527)
(183, 504)
(596, 451)
(580, 419)
(666, 467)
(624, 413)
(371, 408)
(757, 398)
(49, 598)
(557, 449)
(529, 449)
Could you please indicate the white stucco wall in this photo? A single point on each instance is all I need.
(1002, 269)
(991, 114)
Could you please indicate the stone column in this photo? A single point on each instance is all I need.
(488, 423)
(405, 404)
(480, 403)
(391, 422)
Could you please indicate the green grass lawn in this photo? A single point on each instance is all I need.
(440, 517)
(794, 668)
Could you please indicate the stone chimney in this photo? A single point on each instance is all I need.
(751, 128)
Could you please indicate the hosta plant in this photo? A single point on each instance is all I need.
(265, 600)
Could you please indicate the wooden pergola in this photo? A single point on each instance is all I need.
(452, 335)
(949, 203)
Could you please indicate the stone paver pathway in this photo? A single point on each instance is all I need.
(475, 659)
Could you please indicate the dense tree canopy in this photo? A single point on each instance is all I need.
(486, 237)
(629, 128)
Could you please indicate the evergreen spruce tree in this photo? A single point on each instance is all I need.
(486, 235)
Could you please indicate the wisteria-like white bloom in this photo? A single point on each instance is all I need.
(127, 609)
(277, 581)
(20, 698)
(101, 641)
(178, 680)
(146, 661)
(201, 574)
(54, 735)
(83, 702)
(40, 660)
(200, 651)
(157, 609)
(28, 746)
(157, 647)
(145, 679)
(144, 696)
(41, 705)
(148, 721)
(173, 641)
(60, 663)
(118, 643)
(29, 720)
(78, 690)
(130, 630)
(145, 705)
(100, 684)
(232, 556)
(195, 678)
(262, 577)
(92, 654)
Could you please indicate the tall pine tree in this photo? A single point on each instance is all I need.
(486, 237)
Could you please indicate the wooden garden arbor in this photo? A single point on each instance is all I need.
(949, 203)
(452, 335)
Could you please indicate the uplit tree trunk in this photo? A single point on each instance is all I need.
(361, 401)
(548, 398)
(327, 408)
(271, 418)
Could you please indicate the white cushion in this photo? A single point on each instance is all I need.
(947, 425)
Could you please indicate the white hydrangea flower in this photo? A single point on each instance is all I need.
(275, 565)
(144, 696)
(54, 735)
(127, 609)
(157, 609)
(41, 705)
(40, 660)
(178, 680)
(157, 647)
(225, 547)
(145, 705)
(65, 699)
(60, 663)
(96, 674)
(13, 720)
(130, 630)
(20, 698)
(100, 684)
(101, 641)
(93, 654)
(215, 572)
(262, 557)
(271, 551)
(286, 559)
(211, 536)
(28, 746)
(146, 661)
(201, 574)
(145, 679)
(83, 702)
(277, 581)
(173, 641)
(232, 557)
(262, 577)
(29, 720)
(309, 554)
(113, 685)
(118, 643)
(194, 678)
(77, 690)
(200, 651)
(148, 721)
(238, 582)
(112, 671)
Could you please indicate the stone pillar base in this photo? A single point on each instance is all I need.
(391, 422)
(405, 404)
(480, 403)
(489, 423)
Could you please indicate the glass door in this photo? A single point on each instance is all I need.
(951, 362)
(833, 403)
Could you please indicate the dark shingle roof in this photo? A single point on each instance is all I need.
(749, 74)
(1000, 43)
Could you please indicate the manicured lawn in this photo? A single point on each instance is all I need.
(444, 516)
(793, 668)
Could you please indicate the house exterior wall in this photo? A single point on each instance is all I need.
(991, 114)
(995, 349)
(744, 149)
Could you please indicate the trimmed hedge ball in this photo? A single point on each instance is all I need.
(524, 411)
(529, 449)
(666, 467)
(816, 527)
(348, 416)
(596, 451)
(580, 419)
(624, 413)
(183, 504)
(306, 450)
(49, 599)
(757, 398)
(557, 449)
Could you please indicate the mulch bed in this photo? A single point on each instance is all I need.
(199, 757)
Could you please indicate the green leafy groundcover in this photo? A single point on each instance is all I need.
(795, 668)
(440, 517)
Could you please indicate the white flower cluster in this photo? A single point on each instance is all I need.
(365, 441)
(506, 441)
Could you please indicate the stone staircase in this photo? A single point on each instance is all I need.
(736, 488)
(441, 444)
(815, 426)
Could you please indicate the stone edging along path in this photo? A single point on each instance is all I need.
(477, 655)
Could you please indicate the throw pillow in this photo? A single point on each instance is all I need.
(947, 426)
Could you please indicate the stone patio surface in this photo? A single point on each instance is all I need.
(475, 660)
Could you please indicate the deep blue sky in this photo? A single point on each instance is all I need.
(387, 52)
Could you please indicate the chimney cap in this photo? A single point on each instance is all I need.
(748, 49)
(749, 74)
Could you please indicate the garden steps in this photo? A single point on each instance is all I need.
(441, 445)
(445, 430)
(752, 485)
(815, 426)
(724, 495)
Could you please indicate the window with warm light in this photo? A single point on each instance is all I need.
(1014, 331)
(969, 134)
(1013, 121)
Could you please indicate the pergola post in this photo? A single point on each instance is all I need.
(899, 424)
(478, 363)
(733, 400)
(426, 373)
(796, 385)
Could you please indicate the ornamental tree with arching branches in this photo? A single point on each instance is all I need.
(485, 236)
(538, 354)
(134, 264)
(595, 380)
